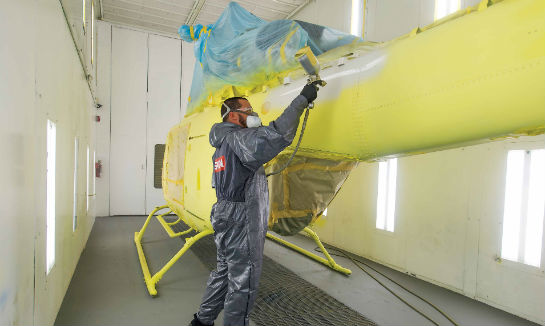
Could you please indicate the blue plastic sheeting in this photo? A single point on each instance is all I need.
(241, 51)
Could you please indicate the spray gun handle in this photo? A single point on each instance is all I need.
(312, 79)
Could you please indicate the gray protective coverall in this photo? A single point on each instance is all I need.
(240, 215)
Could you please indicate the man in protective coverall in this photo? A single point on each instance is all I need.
(240, 215)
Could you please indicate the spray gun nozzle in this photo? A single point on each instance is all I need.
(308, 61)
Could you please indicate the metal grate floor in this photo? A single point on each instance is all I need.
(284, 298)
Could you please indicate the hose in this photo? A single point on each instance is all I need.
(356, 261)
(296, 147)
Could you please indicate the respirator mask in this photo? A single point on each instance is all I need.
(252, 120)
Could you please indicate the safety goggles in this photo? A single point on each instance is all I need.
(247, 111)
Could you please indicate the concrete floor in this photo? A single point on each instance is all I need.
(108, 287)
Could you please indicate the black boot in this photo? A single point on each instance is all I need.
(197, 322)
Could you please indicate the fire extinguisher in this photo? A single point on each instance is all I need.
(98, 168)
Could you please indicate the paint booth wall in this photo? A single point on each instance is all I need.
(143, 84)
(383, 19)
(334, 14)
(104, 35)
(41, 78)
(448, 224)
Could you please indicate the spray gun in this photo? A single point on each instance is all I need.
(310, 64)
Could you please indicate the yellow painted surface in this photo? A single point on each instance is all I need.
(474, 78)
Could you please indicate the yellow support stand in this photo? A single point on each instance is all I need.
(166, 225)
(175, 222)
(328, 261)
(150, 280)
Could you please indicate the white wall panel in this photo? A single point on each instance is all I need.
(103, 61)
(128, 122)
(62, 95)
(188, 65)
(41, 78)
(334, 14)
(448, 231)
(162, 97)
(384, 19)
(18, 163)
(388, 19)
(164, 73)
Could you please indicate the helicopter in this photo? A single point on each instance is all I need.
(424, 91)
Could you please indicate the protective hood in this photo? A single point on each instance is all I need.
(220, 130)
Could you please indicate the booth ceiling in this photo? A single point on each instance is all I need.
(166, 16)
